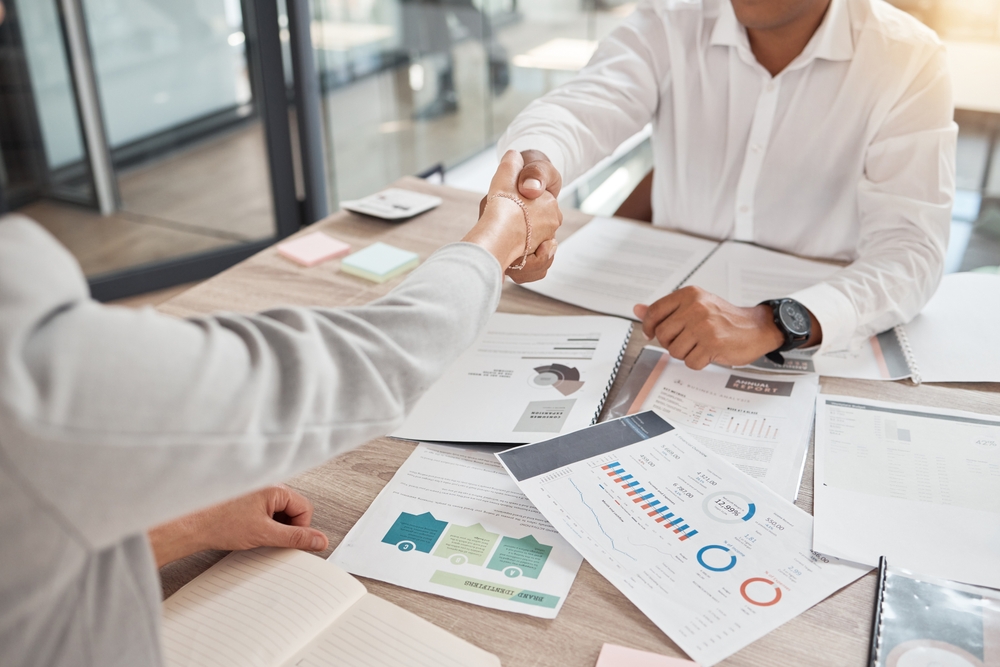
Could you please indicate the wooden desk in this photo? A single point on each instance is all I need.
(835, 632)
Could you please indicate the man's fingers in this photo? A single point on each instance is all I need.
(682, 345)
(506, 176)
(536, 177)
(668, 330)
(640, 311)
(537, 265)
(660, 310)
(697, 359)
(539, 175)
(295, 537)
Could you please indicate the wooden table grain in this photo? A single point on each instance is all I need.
(834, 632)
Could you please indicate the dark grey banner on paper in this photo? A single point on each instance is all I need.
(542, 457)
(767, 387)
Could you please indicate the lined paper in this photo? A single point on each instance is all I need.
(254, 609)
(376, 632)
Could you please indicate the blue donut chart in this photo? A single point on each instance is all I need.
(725, 568)
(707, 507)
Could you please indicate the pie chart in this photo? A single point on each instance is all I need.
(563, 378)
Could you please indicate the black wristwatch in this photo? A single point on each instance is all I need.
(793, 320)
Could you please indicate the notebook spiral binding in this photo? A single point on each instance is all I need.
(875, 650)
(911, 360)
(611, 380)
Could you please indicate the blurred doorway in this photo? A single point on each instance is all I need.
(139, 134)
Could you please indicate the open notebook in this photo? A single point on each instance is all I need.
(288, 608)
(610, 265)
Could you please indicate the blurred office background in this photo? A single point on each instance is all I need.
(152, 140)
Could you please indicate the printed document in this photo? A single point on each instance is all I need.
(712, 556)
(452, 522)
(760, 423)
(525, 379)
(918, 485)
(610, 265)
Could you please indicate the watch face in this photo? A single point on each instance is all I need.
(794, 317)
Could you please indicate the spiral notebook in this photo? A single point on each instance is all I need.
(526, 378)
(953, 339)
(610, 265)
(923, 621)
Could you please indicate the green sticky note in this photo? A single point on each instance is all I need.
(379, 262)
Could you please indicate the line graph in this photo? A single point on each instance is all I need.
(597, 519)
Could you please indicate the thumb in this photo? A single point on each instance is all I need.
(505, 178)
(640, 310)
(295, 537)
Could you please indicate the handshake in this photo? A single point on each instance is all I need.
(519, 216)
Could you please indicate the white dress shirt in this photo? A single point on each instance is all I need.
(847, 154)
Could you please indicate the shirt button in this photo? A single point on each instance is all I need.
(755, 148)
(744, 208)
(769, 87)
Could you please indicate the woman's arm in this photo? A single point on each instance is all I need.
(119, 420)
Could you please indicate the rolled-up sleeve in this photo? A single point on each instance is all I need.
(904, 199)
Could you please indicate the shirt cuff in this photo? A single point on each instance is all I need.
(537, 142)
(834, 312)
(481, 259)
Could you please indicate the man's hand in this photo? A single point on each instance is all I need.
(537, 265)
(275, 516)
(701, 328)
(538, 176)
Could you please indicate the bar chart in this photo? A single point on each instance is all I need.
(647, 501)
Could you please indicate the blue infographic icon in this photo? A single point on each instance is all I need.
(710, 547)
(418, 532)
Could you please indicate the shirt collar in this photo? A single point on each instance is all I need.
(833, 40)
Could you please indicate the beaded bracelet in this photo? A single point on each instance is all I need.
(527, 223)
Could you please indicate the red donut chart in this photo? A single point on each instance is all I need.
(743, 592)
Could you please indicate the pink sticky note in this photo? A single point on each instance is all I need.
(313, 249)
(619, 656)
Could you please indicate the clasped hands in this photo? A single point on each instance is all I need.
(694, 326)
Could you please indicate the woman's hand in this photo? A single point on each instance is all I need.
(275, 516)
(502, 230)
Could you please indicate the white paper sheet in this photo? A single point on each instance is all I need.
(920, 486)
(713, 557)
(452, 522)
(611, 265)
(745, 274)
(525, 379)
(760, 423)
(953, 339)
